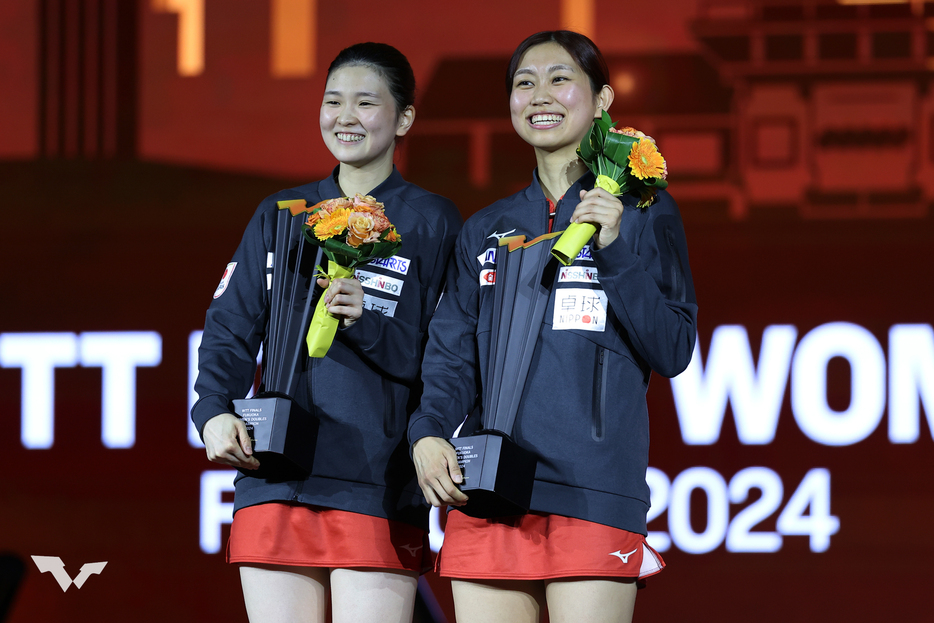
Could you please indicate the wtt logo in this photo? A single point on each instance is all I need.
(55, 566)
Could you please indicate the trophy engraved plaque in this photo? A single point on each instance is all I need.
(498, 475)
(282, 433)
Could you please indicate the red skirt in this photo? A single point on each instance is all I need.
(309, 536)
(539, 547)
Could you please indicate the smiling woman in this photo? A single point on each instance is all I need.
(352, 533)
(359, 119)
(581, 549)
(554, 85)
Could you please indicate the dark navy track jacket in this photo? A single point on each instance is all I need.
(615, 315)
(365, 388)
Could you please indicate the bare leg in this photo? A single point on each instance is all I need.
(283, 594)
(595, 600)
(498, 601)
(372, 595)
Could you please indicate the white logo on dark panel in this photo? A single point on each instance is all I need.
(55, 566)
(500, 236)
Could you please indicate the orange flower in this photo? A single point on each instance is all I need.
(361, 229)
(315, 217)
(382, 223)
(645, 161)
(329, 205)
(332, 224)
(324, 208)
(393, 236)
(628, 131)
(366, 203)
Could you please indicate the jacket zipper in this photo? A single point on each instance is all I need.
(599, 396)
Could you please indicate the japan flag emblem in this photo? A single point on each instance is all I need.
(225, 280)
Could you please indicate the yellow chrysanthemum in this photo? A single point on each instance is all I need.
(645, 161)
(333, 224)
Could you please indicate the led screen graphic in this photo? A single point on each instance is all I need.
(790, 464)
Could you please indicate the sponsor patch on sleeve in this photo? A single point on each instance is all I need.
(387, 308)
(579, 308)
(374, 281)
(487, 257)
(225, 280)
(488, 277)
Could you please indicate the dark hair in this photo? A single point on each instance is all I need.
(584, 52)
(388, 62)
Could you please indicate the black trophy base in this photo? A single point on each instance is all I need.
(283, 436)
(498, 475)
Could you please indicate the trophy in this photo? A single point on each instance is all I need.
(283, 434)
(498, 473)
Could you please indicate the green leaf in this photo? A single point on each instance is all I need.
(336, 246)
(586, 150)
(604, 123)
(384, 249)
(597, 135)
(617, 148)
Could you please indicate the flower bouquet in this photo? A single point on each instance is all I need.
(624, 161)
(350, 232)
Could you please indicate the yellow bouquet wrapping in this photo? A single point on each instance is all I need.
(323, 325)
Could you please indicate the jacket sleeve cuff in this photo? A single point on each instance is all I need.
(206, 408)
(364, 332)
(424, 425)
(616, 255)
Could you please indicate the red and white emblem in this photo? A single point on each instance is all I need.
(225, 280)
